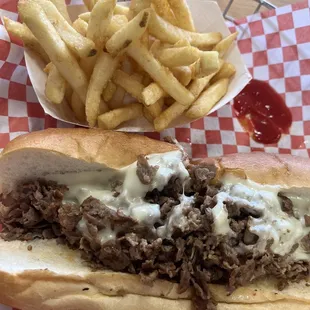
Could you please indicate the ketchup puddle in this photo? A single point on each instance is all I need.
(262, 112)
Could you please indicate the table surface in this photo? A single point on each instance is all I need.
(241, 8)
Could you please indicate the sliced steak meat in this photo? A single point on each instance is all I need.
(201, 175)
(286, 204)
(145, 172)
(33, 206)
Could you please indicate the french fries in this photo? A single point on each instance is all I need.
(183, 74)
(80, 26)
(131, 86)
(99, 21)
(112, 119)
(89, 4)
(114, 64)
(118, 10)
(62, 8)
(126, 35)
(166, 32)
(208, 99)
(182, 14)
(163, 9)
(103, 71)
(159, 73)
(122, 10)
(154, 110)
(22, 32)
(37, 21)
(152, 93)
(226, 72)
(209, 63)
(117, 22)
(109, 91)
(136, 6)
(178, 56)
(81, 46)
(176, 109)
(55, 87)
(223, 46)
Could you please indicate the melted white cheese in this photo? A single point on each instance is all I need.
(131, 198)
(283, 229)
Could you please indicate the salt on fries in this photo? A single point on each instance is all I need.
(149, 50)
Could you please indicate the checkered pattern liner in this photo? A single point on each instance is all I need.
(275, 46)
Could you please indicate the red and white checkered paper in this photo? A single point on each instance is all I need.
(275, 46)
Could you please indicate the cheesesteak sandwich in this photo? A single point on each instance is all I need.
(106, 220)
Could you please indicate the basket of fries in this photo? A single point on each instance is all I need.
(132, 66)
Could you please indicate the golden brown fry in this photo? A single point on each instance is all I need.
(109, 91)
(22, 32)
(182, 14)
(126, 35)
(99, 21)
(62, 8)
(89, 4)
(176, 109)
(81, 46)
(80, 26)
(209, 63)
(137, 77)
(133, 87)
(208, 99)
(37, 21)
(183, 74)
(154, 110)
(167, 116)
(160, 74)
(226, 72)
(85, 16)
(178, 56)
(55, 86)
(166, 32)
(136, 6)
(122, 10)
(104, 68)
(119, 10)
(223, 46)
(152, 94)
(114, 118)
(163, 9)
(117, 22)
(78, 107)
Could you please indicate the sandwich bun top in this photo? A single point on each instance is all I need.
(61, 150)
(39, 153)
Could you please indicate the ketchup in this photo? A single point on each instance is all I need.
(262, 112)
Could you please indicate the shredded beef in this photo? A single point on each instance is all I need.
(145, 172)
(193, 256)
(307, 220)
(286, 204)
